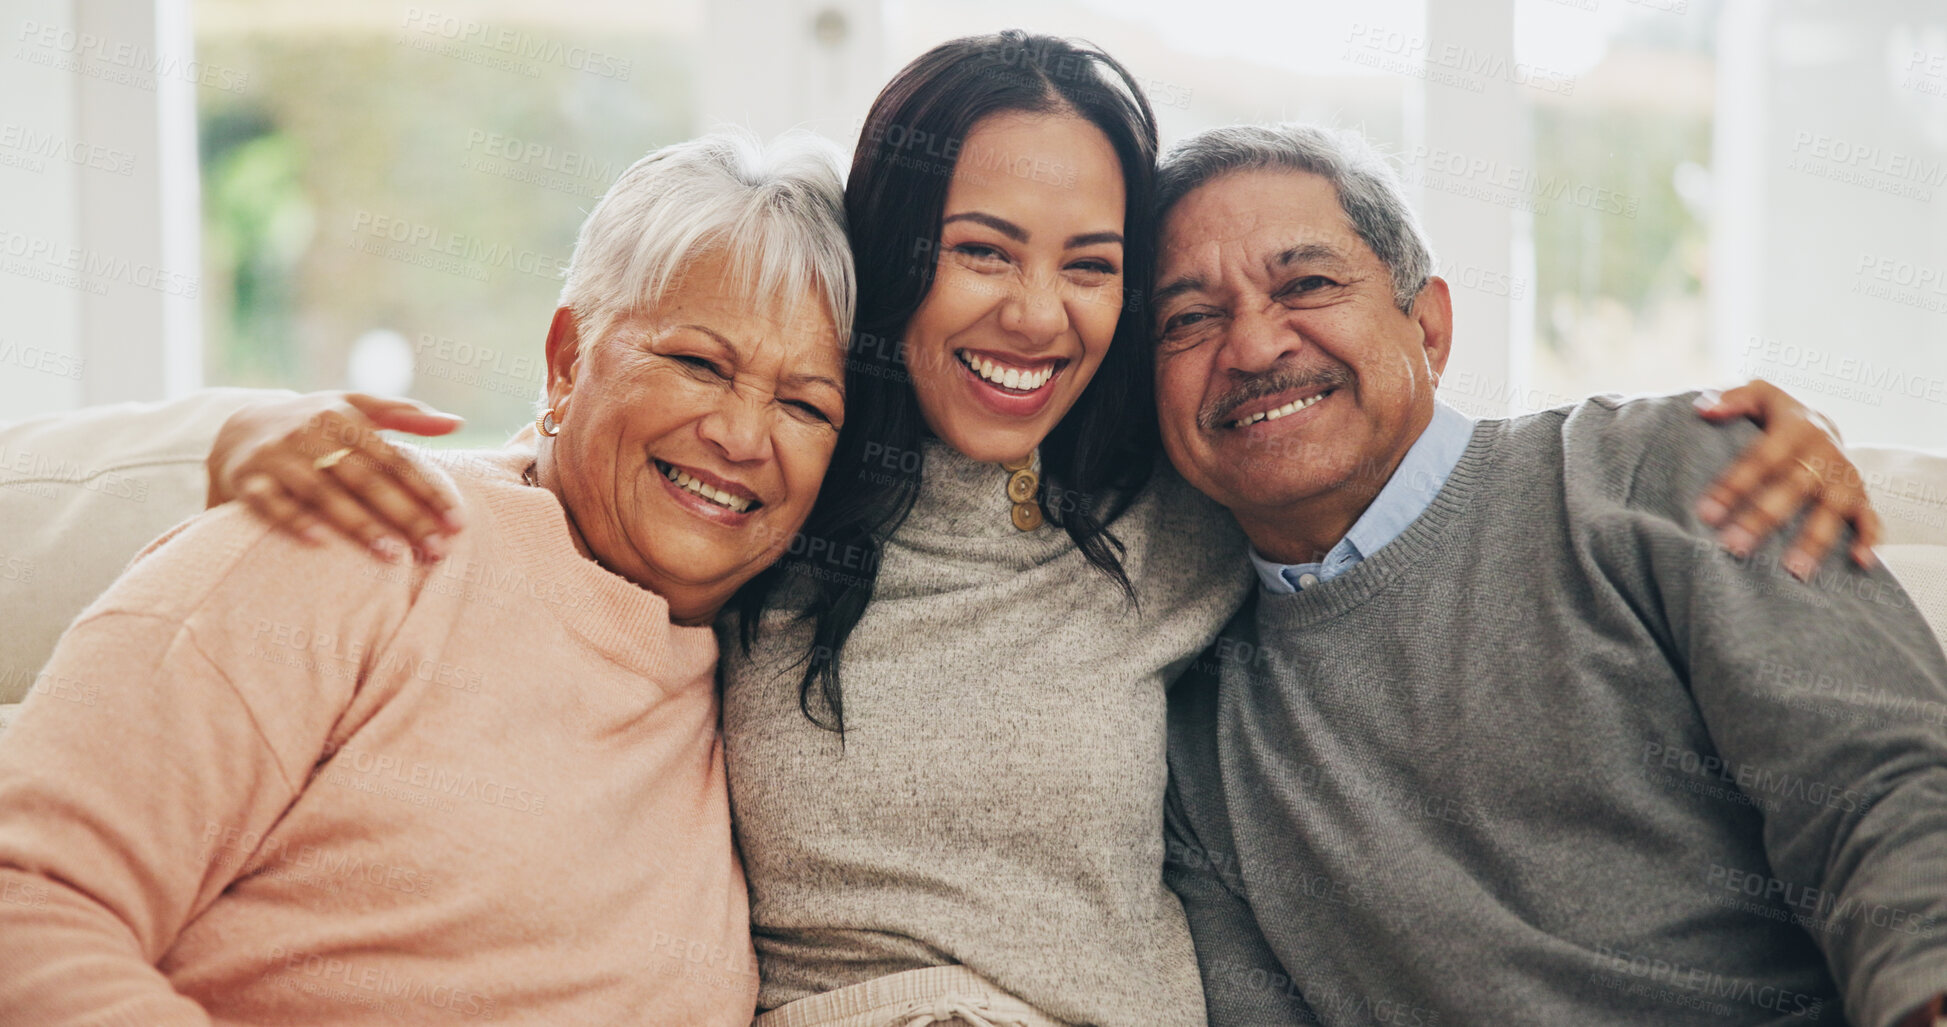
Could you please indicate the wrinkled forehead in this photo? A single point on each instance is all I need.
(1250, 219)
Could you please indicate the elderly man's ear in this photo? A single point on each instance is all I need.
(564, 354)
(1433, 312)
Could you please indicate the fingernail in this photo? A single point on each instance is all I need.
(389, 549)
(451, 519)
(312, 535)
(1707, 399)
(1800, 565)
(1737, 540)
(1868, 559)
(1712, 511)
(435, 547)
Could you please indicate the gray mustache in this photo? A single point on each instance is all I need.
(1270, 383)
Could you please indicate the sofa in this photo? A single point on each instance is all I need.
(82, 492)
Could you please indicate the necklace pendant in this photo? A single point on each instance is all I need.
(1021, 486)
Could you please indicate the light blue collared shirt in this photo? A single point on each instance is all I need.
(1421, 474)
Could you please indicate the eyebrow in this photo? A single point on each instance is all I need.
(712, 333)
(1177, 287)
(800, 378)
(804, 378)
(1091, 238)
(1019, 234)
(1311, 251)
(1001, 225)
(1285, 258)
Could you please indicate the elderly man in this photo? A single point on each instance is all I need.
(1507, 736)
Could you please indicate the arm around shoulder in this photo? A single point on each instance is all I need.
(1826, 701)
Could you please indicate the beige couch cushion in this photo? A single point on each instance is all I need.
(80, 494)
(1923, 572)
(1909, 489)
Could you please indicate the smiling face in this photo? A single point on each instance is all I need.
(694, 438)
(1029, 283)
(1287, 380)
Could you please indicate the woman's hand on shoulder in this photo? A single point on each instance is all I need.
(315, 463)
(1798, 465)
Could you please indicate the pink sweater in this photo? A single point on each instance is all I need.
(264, 783)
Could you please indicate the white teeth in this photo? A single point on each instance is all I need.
(688, 483)
(1007, 377)
(1289, 408)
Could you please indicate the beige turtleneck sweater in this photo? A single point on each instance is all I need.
(998, 798)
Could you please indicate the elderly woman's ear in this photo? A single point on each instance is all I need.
(564, 353)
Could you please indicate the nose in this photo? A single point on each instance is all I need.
(1258, 339)
(739, 428)
(1033, 310)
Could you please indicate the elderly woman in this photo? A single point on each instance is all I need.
(305, 788)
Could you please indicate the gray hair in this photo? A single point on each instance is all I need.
(1369, 189)
(777, 212)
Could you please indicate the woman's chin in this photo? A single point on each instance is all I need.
(710, 556)
(699, 557)
(979, 435)
(694, 579)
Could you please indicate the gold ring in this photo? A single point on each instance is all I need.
(1819, 488)
(330, 460)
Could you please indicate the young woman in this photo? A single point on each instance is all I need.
(944, 711)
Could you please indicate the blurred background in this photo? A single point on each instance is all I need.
(1627, 195)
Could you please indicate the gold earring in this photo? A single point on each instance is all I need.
(547, 424)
